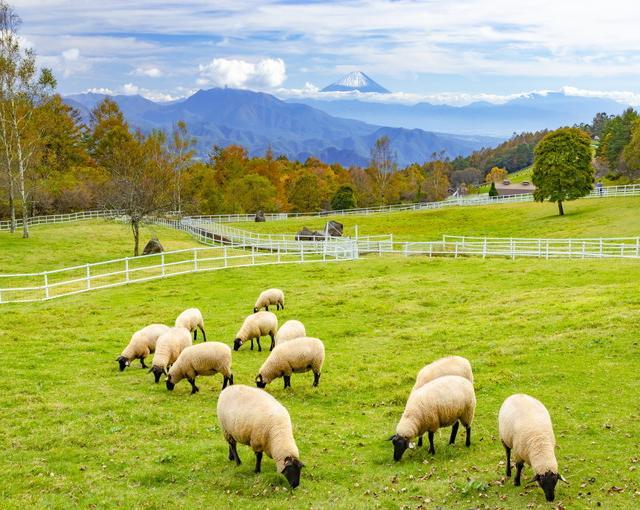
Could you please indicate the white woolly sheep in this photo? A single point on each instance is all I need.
(451, 365)
(192, 319)
(142, 343)
(255, 326)
(201, 359)
(270, 297)
(298, 355)
(168, 348)
(525, 428)
(253, 417)
(443, 402)
(290, 330)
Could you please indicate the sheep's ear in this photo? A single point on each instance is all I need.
(533, 480)
(562, 479)
(259, 378)
(392, 437)
(150, 370)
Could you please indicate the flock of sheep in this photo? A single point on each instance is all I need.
(443, 395)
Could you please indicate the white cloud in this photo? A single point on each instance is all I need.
(129, 89)
(149, 71)
(221, 72)
(100, 90)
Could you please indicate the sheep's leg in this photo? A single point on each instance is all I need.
(259, 346)
(432, 449)
(273, 340)
(316, 378)
(287, 381)
(233, 453)
(266, 307)
(195, 334)
(519, 466)
(454, 432)
(420, 441)
(252, 344)
(258, 461)
(468, 439)
(282, 306)
(142, 363)
(204, 335)
(194, 388)
(508, 452)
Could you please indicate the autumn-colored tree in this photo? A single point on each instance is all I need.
(303, 194)
(382, 165)
(436, 183)
(250, 194)
(562, 167)
(182, 150)
(496, 175)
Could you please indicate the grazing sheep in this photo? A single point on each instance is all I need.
(525, 427)
(451, 365)
(192, 319)
(168, 348)
(298, 355)
(142, 343)
(253, 417)
(270, 297)
(201, 359)
(443, 402)
(255, 326)
(290, 330)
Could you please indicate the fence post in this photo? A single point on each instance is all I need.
(406, 249)
(601, 247)
(301, 252)
(584, 247)
(162, 262)
(456, 251)
(278, 253)
(88, 277)
(195, 259)
(570, 248)
(253, 255)
(484, 248)
(637, 247)
(46, 285)
(126, 269)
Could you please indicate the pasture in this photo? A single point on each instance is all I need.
(76, 432)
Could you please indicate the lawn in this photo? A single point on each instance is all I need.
(611, 217)
(78, 433)
(68, 244)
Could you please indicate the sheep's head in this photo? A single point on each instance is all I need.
(255, 309)
(291, 471)
(124, 362)
(170, 385)
(260, 381)
(400, 444)
(157, 372)
(236, 344)
(547, 483)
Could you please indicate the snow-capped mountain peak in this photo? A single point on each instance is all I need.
(356, 80)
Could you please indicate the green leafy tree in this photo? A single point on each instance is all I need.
(562, 167)
(252, 193)
(631, 152)
(344, 198)
(303, 195)
(617, 135)
(493, 192)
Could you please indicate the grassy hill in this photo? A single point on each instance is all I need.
(78, 433)
(611, 217)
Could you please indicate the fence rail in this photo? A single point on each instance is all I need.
(62, 218)
(29, 287)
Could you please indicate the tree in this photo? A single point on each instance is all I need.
(562, 167)
(252, 193)
(617, 135)
(303, 194)
(382, 165)
(496, 175)
(182, 151)
(436, 183)
(631, 152)
(493, 192)
(22, 90)
(141, 174)
(344, 198)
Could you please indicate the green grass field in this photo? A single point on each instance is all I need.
(78, 433)
(612, 217)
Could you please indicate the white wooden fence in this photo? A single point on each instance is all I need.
(62, 218)
(46, 285)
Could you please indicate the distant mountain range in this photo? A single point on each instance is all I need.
(257, 121)
(356, 81)
(530, 113)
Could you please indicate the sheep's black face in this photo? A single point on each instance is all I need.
(157, 373)
(259, 382)
(123, 362)
(400, 444)
(170, 385)
(291, 471)
(236, 344)
(255, 310)
(547, 483)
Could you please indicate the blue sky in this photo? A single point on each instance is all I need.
(453, 52)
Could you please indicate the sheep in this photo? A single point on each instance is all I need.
(142, 343)
(443, 402)
(525, 427)
(201, 359)
(451, 365)
(168, 348)
(290, 330)
(255, 326)
(298, 355)
(192, 319)
(270, 297)
(253, 417)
